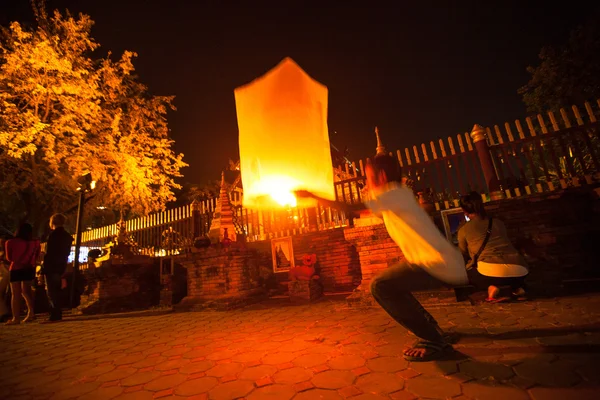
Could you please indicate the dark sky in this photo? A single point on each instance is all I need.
(419, 70)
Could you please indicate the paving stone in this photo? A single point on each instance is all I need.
(433, 387)
(196, 386)
(221, 370)
(165, 382)
(403, 395)
(103, 393)
(140, 378)
(576, 393)
(255, 373)
(231, 390)
(435, 368)
(558, 374)
(117, 374)
(278, 358)
(77, 390)
(310, 360)
(149, 362)
(487, 391)
(139, 395)
(196, 366)
(348, 361)
(481, 370)
(248, 356)
(380, 382)
(292, 375)
(369, 396)
(318, 394)
(272, 392)
(387, 364)
(334, 379)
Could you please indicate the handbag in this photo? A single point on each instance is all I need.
(485, 240)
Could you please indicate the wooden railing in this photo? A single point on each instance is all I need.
(159, 233)
(551, 153)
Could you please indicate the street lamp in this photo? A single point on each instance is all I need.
(86, 184)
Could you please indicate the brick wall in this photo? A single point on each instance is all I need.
(222, 275)
(116, 288)
(338, 263)
(376, 250)
(337, 260)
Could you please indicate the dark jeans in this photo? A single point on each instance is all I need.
(482, 282)
(53, 282)
(392, 290)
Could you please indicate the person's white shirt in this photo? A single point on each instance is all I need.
(411, 228)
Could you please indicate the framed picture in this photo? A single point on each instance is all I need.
(453, 219)
(283, 254)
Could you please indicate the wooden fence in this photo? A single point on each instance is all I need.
(547, 153)
(552, 153)
(160, 233)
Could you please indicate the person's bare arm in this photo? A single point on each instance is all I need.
(338, 205)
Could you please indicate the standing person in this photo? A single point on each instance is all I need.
(430, 260)
(494, 261)
(22, 253)
(58, 249)
(4, 282)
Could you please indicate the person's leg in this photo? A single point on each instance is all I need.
(28, 295)
(4, 282)
(53, 290)
(392, 290)
(15, 302)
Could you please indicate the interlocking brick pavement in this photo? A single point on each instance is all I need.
(544, 349)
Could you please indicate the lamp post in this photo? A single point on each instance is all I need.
(86, 184)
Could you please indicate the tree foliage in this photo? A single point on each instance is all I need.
(64, 113)
(568, 74)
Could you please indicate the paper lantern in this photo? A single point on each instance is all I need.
(284, 140)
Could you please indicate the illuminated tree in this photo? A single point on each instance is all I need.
(63, 113)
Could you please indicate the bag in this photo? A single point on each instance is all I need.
(485, 240)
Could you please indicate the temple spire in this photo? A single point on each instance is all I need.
(380, 147)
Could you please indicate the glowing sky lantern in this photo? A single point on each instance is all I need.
(284, 140)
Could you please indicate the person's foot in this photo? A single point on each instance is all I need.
(12, 322)
(426, 351)
(520, 294)
(494, 295)
(29, 318)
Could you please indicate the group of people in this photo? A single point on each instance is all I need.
(18, 268)
(429, 258)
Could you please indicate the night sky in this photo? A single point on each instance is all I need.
(419, 70)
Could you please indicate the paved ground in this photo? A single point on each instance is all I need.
(548, 349)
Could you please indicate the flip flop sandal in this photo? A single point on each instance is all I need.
(494, 300)
(433, 351)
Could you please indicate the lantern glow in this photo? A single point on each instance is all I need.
(283, 138)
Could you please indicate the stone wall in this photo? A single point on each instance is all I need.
(376, 250)
(337, 259)
(117, 288)
(222, 277)
(338, 263)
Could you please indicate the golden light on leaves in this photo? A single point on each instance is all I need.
(63, 112)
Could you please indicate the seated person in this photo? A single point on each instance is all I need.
(493, 262)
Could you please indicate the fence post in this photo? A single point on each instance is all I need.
(313, 224)
(485, 159)
(196, 218)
